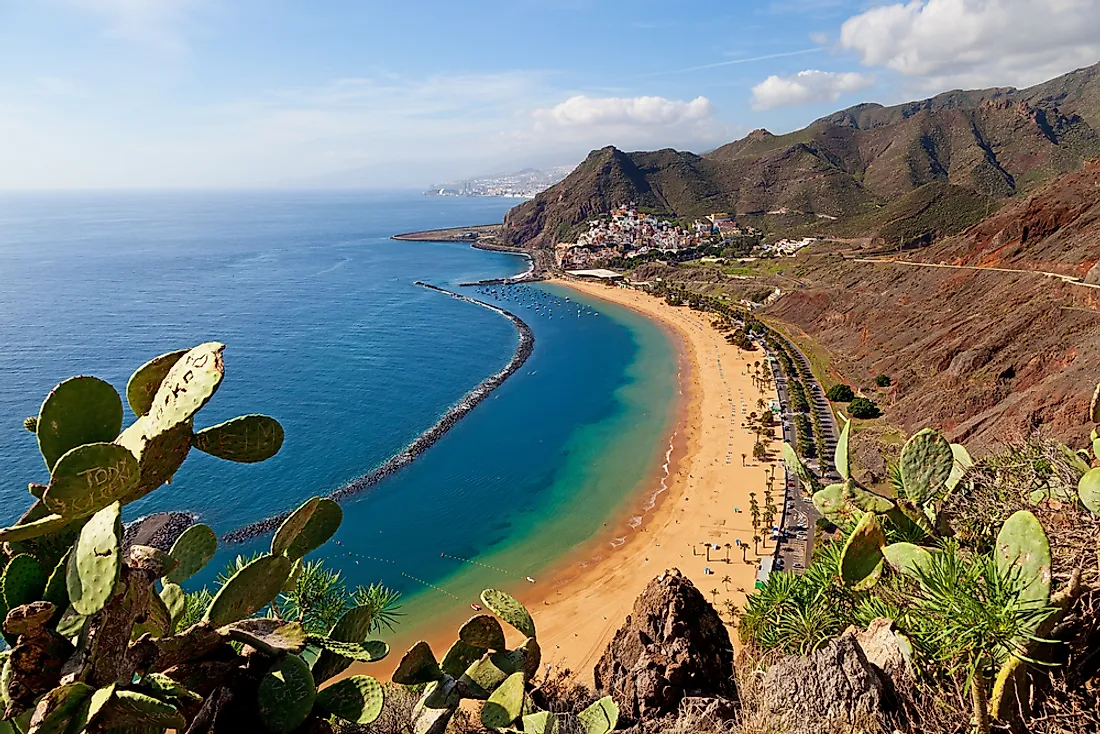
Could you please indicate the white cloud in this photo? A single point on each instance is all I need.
(155, 23)
(968, 43)
(644, 111)
(807, 87)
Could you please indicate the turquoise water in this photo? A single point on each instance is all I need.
(326, 331)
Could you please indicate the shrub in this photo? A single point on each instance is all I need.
(864, 408)
(882, 381)
(840, 394)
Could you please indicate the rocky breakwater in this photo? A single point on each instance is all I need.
(426, 439)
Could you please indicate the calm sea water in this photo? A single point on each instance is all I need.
(326, 331)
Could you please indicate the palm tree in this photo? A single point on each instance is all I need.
(756, 543)
(714, 594)
(729, 547)
(726, 580)
(743, 457)
(708, 551)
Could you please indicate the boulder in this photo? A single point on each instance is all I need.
(888, 651)
(833, 690)
(673, 645)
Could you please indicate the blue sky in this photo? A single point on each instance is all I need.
(254, 93)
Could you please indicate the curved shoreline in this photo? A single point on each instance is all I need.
(426, 439)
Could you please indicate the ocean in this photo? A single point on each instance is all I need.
(327, 332)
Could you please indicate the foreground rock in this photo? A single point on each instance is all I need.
(672, 646)
(836, 689)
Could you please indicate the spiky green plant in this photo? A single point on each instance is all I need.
(132, 645)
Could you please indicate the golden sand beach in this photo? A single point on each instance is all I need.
(579, 606)
(580, 609)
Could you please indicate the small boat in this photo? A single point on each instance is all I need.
(530, 579)
(476, 607)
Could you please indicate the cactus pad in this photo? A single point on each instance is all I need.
(1023, 544)
(90, 477)
(90, 709)
(601, 717)
(322, 525)
(862, 559)
(175, 601)
(146, 380)
(247, 439)
(962, 463)
(193, 549)
(38, 528)
(294, 524)
(95, 562)
(510, 610)
(926, 463)
(906, 558)
(1094, 405)
(270, 636)
(24, 581)
(189, 384)
(795, 465)
(436, 707)
(78, 411)
(460, 657)
(30, 423)
(368, 651)
(1088, 490)
(130, 708)
(532, 657)
(840, 456)
(540, 722)
(417, 666)
(160, 453)
(505, 704)
(486, 674)
(56, 591)
(831, 503)
(354, 626)
(357, 699)
(166, 688)
(286, 695)
(482, 631)
(57, 708)
(866, 501)
(249, 590)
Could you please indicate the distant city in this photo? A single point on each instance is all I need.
(523, 184)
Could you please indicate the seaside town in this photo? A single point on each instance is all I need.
(626, 234)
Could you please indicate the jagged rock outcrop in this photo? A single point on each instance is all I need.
(673, 645)
(831, 691)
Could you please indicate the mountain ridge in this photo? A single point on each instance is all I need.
(846, 166)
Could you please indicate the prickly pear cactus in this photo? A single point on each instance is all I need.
(505, 704)
(187, 386)
(249, 590)
(247, 439)
(540, 722)
(1022, 544)
(601, 717)
(193, 549)
(482, 631)
(510, 610)
(368, 651)
(906, 558)
(862, 559)
(95, 563)
(840, 456)
(926, 463)
(460, 657)
(418, 666)
(286, 695)
(353, 626)
(90, 477)
(1088, 490)
(866, 501)
(79, 411)
(357, 699)
(30, 423)
(293, 526)
(146, 380)
(322, 524)
(833, 504)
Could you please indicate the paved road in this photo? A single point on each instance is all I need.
(798, 511)
(1071, 279)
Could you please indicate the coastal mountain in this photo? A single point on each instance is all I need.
(847, 173)
(990, 347)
